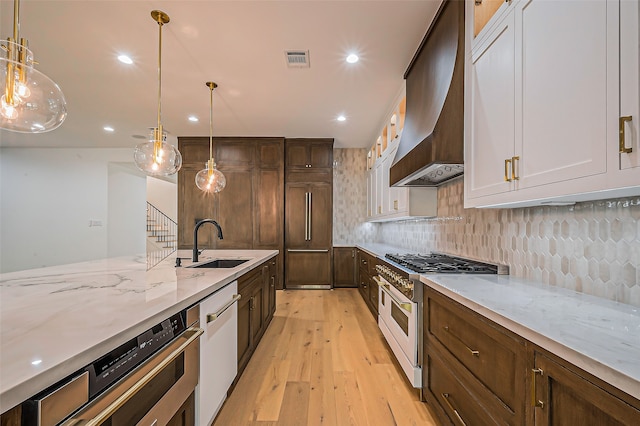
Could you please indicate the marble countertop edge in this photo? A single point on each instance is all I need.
(590, 364)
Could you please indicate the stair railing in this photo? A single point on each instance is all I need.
(164, 231)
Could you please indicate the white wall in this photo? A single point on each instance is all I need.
(48, 198)
(126, 197)
(164, 195)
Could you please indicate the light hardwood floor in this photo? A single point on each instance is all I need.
(323, 361)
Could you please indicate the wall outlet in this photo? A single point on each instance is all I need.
(93, 223)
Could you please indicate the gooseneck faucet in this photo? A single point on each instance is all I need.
(195, 235)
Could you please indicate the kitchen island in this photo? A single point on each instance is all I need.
(56, 320)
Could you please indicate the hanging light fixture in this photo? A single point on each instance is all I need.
(157, 157)
(30, 102)
(210, 179)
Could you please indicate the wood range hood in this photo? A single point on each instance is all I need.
(431, 148)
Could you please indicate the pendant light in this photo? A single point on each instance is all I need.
(210, 179)
(30, 102)
(157, 157)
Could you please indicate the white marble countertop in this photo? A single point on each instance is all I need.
(598, 335)
(56, 320)
(379, 250)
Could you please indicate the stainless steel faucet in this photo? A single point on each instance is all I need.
(195, 235)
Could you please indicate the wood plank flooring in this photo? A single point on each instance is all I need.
(323, 361)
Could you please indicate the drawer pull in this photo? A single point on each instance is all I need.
(473, 352)
(445, 396)
(534, 401)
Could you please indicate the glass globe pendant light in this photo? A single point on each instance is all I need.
(210, 179)
(157, 157)
(30, 102)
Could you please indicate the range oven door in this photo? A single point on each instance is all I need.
(398, 321)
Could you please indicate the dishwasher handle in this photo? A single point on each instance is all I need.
(215, 316)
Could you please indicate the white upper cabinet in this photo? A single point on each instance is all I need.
(629, 120)
(492, 125)
(391, 203)
(562, 116)
(547, 82)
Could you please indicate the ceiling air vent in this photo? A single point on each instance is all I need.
(297, 58)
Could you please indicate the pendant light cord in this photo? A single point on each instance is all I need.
(211, 122)
(160, 78)
(16, 20)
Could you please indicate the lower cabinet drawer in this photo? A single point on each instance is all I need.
(492, 356)
(451, 397)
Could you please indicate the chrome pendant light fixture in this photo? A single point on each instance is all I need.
(30, 102)
(210, 179)
(157, 157)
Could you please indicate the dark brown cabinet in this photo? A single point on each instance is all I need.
(273, 279)
(250, 209)
(564, 397)
(308, 213)
(345, 267)
(477, 372)
(305, 154)
(483, 381)
(255, 308)
(366, 284)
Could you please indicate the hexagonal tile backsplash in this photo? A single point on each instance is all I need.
(591, 247)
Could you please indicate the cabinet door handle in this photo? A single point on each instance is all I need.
(535, 402)
(251, 304)
(306, 216)
(445, 396)
(216, 315)
(273, 281)
(514, 168)
(473, 352)
(623, 146)
(310, 211)
(507, 164)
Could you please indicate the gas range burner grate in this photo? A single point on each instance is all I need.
(441, 264)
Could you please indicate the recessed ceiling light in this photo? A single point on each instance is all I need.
(108, 129)
(341, 118)
(125, 59)
(36, 362)
(352, 58)
(193, 118)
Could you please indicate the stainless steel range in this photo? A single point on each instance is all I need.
(400, 301)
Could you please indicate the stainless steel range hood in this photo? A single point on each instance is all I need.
(431, 149)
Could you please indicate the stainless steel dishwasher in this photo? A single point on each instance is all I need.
(149, 381)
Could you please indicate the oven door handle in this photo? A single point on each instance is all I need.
(385, 287)
(129, 393)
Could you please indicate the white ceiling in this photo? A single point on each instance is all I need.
(238, 44)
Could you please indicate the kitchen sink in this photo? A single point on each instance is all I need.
(219, 263)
